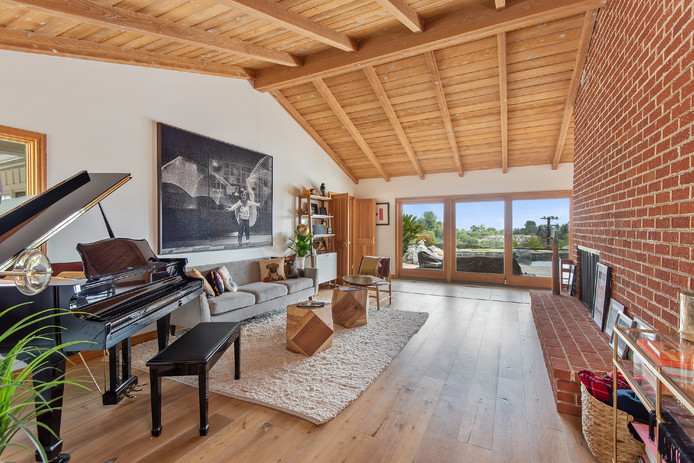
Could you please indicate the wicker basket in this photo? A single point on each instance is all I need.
(596, 421)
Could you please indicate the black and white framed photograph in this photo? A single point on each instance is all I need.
(613, 312)
(314, 208)
(382, 213)
(602, 295)
(571, 281)
(623, 321)
(323, 211)
(212, 195)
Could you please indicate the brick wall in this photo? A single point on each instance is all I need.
(633, 166)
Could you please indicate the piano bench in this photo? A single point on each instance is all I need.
(194, 353)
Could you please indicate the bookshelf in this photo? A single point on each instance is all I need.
(661, 372)
(317, 212)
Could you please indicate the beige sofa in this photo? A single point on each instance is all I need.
(252, 298)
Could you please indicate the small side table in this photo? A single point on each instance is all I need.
(350, 306)
(309, 329)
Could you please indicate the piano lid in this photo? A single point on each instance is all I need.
(32, 223)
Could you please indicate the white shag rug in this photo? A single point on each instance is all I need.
(314, 388)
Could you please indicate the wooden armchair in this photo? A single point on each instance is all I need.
(373, 274)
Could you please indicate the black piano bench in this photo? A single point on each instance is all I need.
(194, 353)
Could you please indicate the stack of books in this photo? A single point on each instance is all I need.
(674, 359)
(651, 453)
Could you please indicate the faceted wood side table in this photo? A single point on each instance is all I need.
(309, 329)
(350, 306)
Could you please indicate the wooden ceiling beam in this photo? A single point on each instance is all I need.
(581, 55)
(500, 4)
(393, 118)
(31, 42)
(282, 16)
(503, 98)
(443, 106)
(403, 13)
(287, 105)
(349, 125)
(114, 17)
(465, 25)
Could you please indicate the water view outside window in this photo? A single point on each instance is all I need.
(479, 232)
(422, 236)
(535, 221)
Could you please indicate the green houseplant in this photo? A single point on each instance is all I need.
(302, 243)
(21, 399)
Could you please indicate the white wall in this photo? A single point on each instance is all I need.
(101, 117)
(518, 179)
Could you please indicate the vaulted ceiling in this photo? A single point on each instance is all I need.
(387, 88)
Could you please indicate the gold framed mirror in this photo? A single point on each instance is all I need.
(35, 144)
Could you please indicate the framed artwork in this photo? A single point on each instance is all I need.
(314, 208)
(613, 312)
(623, 321)
(601, 299)
(571, 281)
(212, 195)
(642, 325)
(382, 213)
(323, 211)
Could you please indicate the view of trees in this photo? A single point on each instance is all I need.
(430, 230)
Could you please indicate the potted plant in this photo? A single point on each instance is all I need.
(21, 394)
(301, 244)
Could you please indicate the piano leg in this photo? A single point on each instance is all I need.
(163, 331)
(49, 436)
(118, 386)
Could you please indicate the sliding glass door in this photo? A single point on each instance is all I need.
(479, 241)
(503, 239)
(422, 240)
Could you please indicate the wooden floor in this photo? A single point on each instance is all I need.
(470, 386)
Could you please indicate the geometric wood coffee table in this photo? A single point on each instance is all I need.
(309, 329)
(350, 306)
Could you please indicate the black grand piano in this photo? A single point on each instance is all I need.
(126, 289)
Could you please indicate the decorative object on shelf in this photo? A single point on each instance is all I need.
(382, 213)
(302, 243)
(201, 190)
(318, 229)
(323, 211)
(602, 297)
(321, 246)
(314, 208)
(322, 189)
(329, 230)
(687, 316)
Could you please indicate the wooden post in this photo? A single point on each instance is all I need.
(555, 266)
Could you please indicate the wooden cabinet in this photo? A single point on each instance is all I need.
(317, 212)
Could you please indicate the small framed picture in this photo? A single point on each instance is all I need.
(382, 213)
(642, 325)
(314, 208)
(623, 321)
(571, 280)
(323, 211)
(602, 295)
(613, 313)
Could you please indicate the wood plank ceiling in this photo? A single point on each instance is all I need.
(387, 88)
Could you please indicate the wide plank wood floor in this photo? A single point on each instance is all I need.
(470, 386)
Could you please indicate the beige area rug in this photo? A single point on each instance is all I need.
(314, 388)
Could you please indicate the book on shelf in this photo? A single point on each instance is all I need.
(678, 362)
(651, 454)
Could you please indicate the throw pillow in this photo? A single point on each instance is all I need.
(229, 284)
(272, 269)
(195, 273)
(290, 270)
(216, 282)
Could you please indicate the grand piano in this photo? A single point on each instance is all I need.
(126, 289)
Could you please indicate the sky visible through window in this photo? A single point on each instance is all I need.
(491, 213)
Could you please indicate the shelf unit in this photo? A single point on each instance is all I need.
(324, 256)
(657, 389)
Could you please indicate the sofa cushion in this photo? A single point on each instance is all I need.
(264, 291)
(195, 273)
(296, 284)
(229, 284)
(230, 301)
(272, 269)
(215, 280)
(290, 270)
